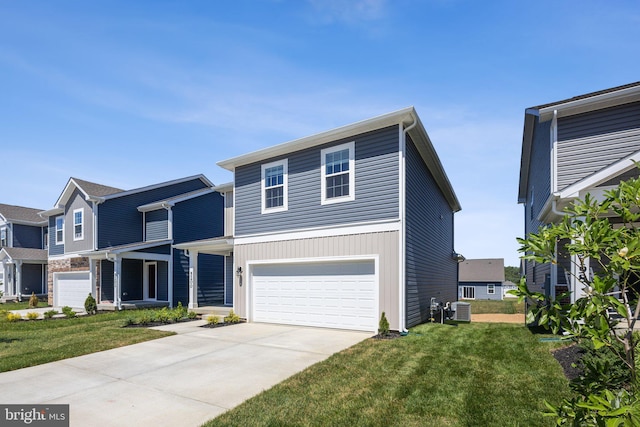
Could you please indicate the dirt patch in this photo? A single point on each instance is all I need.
(567, 357)
(497, 318)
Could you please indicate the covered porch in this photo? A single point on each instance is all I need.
(23, 271)
(132, 276)
(220, 246)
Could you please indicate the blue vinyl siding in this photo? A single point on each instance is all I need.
(132, 276)
(430, 269)
(27, 236)
(210, 279)
(228, 279)
(53, 248)
(106, 280)
(163, 281)
(481, 290)
(120, 222)
(376, 188)
(157, 225)
(32, 279)
(163, 250)
(180, 278)
(198, 218)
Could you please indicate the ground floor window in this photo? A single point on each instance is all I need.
(491, 289)
(468, 292)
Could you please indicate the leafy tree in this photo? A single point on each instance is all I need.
(512, 274)
(606, 254)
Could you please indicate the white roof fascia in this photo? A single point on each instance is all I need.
(602, 176)
(406, 114)
(604, 100)
(51, 212)
(224, 187)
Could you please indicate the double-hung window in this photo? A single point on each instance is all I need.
(275, 186)
(59, 230)
(78, 224)
(338, 174)
(3, 237)
(491, 288)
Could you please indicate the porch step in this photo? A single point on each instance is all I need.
(134, 305)
(215, 310)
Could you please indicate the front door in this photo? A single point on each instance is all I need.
(151, 281)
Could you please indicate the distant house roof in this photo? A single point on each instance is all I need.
(21, 215)
(24, 254)
(482, 270)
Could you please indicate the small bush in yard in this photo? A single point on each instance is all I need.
(180, 310)
(145, 318)
(68, 312)
(192, 315)
(232, 317)
(163, 315)
(33, 300)
(212, 319)
(49, 314)
(90, 305)
(383, 325)
(32, 315)
(176, 315)
(13, 317)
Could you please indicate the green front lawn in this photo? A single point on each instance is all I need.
(506, 306)
(439, 375)
(23, 305)
(33, 342)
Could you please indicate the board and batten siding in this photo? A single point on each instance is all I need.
(537, 194)
(77, 201)
(119, 221)
(376, 188)
(156, 225)
(589, 142)
(383, 244)
(26, 236)
(431, 270)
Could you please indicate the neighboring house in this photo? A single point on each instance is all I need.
(586, 144)
(481, 279)
(508, 286)
(23, 260)
(333, 229)
(117, 244)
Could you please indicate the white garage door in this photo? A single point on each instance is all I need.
(71, 289)
(326, 294)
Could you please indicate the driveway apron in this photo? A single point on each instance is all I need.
(184, 379)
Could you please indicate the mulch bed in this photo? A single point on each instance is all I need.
(391, 335)
(567, 357)
(152, 324)
(221, 324)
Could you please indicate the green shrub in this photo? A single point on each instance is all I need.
(192, 315)
(145, 318)
(182, 311)
(232, 317)
(383, 325)
(33, 300)
(176, 315)
(212, 319)
(164, 315)
(32, 315)
(13, 317)
(68, 312)
(90, 305)
(128, 322)
(49, 314)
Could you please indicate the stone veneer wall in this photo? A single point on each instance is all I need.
(64, 265)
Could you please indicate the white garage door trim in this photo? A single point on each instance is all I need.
(354, 313)
(71, 288)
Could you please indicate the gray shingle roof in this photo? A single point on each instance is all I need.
(20, 213)
(93, 189)
(27, 254)
(482, 270)
(587, 95)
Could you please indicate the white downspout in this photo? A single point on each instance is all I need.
(403, 226)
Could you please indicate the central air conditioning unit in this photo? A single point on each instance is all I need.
(461, 311)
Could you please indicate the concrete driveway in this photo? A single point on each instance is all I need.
(181, 380)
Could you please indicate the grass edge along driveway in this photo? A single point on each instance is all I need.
(470, 375)
(34, 342)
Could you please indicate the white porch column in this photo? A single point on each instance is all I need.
(117, 291)
(19, 279)
(193, 279)
(5, 278)
(92, 275)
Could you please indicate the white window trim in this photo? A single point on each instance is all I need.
(352, 174)
(75, 211)
(285, 186)
(61, 241)
(491, 288)
(6, 236)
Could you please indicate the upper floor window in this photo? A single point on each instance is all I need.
(275, 186)
(4, 241)
(46, 240)
(59, 230)
(338, 174)
(78, 224)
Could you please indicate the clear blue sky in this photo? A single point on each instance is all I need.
(130, 93)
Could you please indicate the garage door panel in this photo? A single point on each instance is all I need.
(335, 294)
(71, 289)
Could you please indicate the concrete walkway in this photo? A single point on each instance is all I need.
(181, 380)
